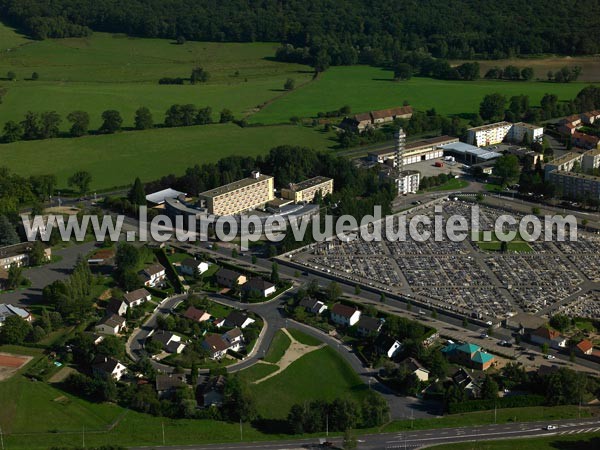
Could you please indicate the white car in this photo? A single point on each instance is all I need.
(551, 427)
(550, 357)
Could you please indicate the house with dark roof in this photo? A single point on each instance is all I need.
(258, 287)
(108, 367)
(171, 342)
(118, 307)
(217, 346)
(167, 384)
(153, 275)
(137, 297)
(7, 311)
(189, 266)
(548, 336)
(212, 394)
(344, 315)
(111, 324)
(313, 305)
(362, 121)
(196, 315)
(416, 368)
(239, 319)
(369, 326)
(229, 278)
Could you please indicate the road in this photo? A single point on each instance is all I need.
(420, 438)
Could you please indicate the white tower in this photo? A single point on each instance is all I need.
(400, 137)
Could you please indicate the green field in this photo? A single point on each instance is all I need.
(304, 338)
(321, 374)
(115, 160)
(574, 442)
(451, 185)
(279, 345)
(257, 372)
(365, 88)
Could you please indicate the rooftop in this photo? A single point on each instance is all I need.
(159, 197)
(343, 310)
(236, 185)
(311, 182)
(467, 149)
(490, 126)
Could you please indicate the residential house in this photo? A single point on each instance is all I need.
(467, 383)
(111, 324)
(217, 346)
(552, 338)
(167, 384)
(190, 266)
(137, 297)
(258, 287)
(118, 307)
(153, 275)
(469, 355)
(567, 129)
(239, 319)
(219, 322)
(7, 311)
(369, 326)
(108, 367)
(213, 391)
(197, 315)
(388, 346)
(585, 347)
(363, 121)
(590, 117)
(344, 315)
(585, 141)
(415, 367)
(230, 278)
(171, 342)
(313, 305)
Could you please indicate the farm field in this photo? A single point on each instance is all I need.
(541, 66)
(364, 88)
(321, 374)
(107, 71)
(115, 160)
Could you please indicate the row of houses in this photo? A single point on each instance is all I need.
(568, 125)
(256, 285)
(373, 119)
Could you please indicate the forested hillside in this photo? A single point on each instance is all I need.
(335, 32)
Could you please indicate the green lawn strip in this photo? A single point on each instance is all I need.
(507, 415)
(257, 371)
(279, 345)
(297, 383)
(573, 442)
(304, 338)
(450, 185)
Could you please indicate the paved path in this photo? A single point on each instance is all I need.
(44, 275)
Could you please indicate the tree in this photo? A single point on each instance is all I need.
(35, 76)
(382, 298)
(137, 195)
(13, 132)
(81, 180)
(199, 75)
(507, 168)
(289, 85)
(489, 389)
(402, 72)
(545, 348)
(11, 75)
(37, 255)
(204, 116)
(560, 321)
(274, 273)
(492, 107)
(14, 330)
(349, 442)
(334, 291)
(31, 126)
(356, 289)
(527, 73)
(49, 125)
(112, 121)
(226, 116)
(15, 276)
(8, 233)
(180, 40)
(143, 119)
(80, 121)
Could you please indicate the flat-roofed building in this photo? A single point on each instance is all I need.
(306, 190)
(470, 154)
(18, 254)
(591, 160)
(242, 195)
(519, 130)
(490, 134)
(563, 164)
(422, 150)
(407, 182)
(576, 185)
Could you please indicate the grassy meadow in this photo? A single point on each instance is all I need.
(115, 160)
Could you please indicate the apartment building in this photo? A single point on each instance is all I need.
(242, 195)
(576, 185)
(563, 164)
(306, 190)
(18, 254)
(495, 133)
(521, 129)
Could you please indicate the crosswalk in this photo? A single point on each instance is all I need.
(580, 431)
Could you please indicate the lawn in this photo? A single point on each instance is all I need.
(365, 88)
(279, 345)
(115, 160)
(493, 244)
(573, 442)
(304, 338)
(451, 185)
(257, 371)
(319, 375)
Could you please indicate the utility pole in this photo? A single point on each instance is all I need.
(1, 439)
(495, 412)
(83, 437)
(163, 431)
(241, 430)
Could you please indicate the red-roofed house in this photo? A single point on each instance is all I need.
(549, 336)
(585, 347)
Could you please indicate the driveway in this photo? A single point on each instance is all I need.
(44, 275)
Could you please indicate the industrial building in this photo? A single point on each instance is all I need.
(470, 154)
(306, 190)
(495, 133)
(414, 152)
(242, 195)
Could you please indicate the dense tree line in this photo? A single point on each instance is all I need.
(331, 32)
(510, 72)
